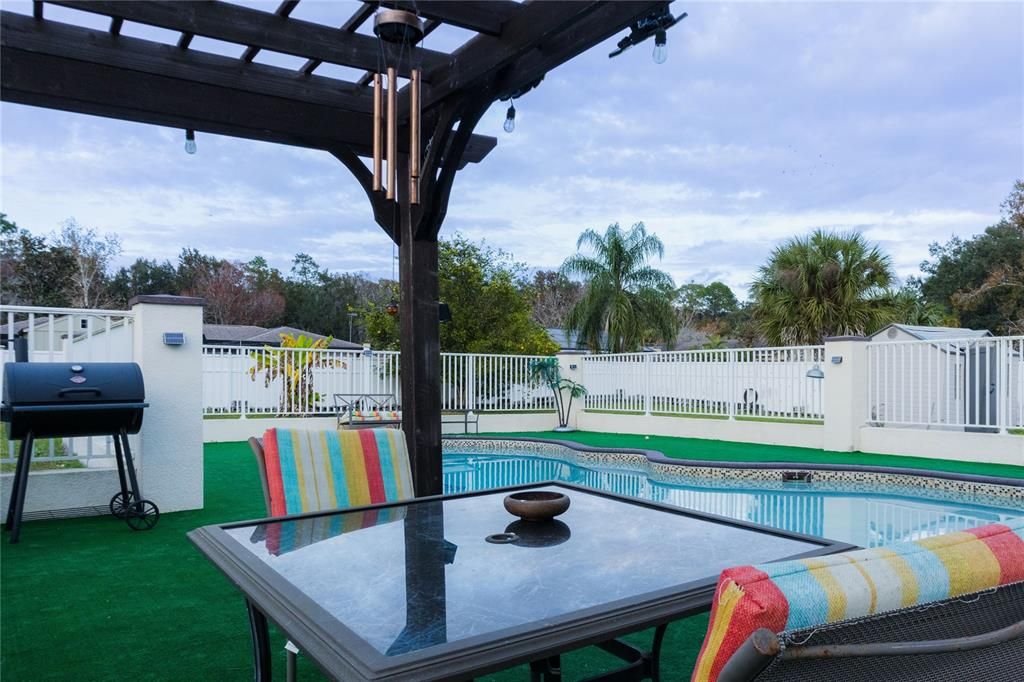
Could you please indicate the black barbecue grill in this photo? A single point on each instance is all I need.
(62, 400)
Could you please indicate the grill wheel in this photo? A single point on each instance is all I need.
(119, 505)
(142, 515)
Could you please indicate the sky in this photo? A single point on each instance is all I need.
(904, 122)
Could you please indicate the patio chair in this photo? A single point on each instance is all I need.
(353, 468)
(949, 607)
(337, 469)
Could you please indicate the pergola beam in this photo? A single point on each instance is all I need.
(283, 10)
(353, 23)
(482, 56)
(486, 17)
(236, 24)
(183, 88)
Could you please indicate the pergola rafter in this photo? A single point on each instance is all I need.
(106, 73)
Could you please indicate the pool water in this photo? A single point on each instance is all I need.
(866, 520)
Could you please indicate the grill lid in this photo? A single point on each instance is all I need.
(66, 383)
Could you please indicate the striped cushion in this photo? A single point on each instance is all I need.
(375, 415)
(790, 595)
(315, 470)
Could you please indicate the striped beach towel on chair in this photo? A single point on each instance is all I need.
(790, 595)
(317, 470)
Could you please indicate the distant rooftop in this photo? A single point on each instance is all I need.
(935, 333)
(252, 335)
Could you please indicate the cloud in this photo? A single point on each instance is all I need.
(902, 121)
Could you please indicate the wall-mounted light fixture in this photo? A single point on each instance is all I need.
(174, 339)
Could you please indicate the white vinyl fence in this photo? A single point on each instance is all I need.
(972, 384)
(747, 382)
(250, 381)
(66, 335)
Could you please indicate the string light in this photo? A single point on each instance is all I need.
(190, 141)
(510, 118)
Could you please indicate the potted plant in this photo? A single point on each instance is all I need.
(546, 371)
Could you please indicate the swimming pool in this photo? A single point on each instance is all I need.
(864, 515)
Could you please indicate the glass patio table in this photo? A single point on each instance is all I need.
(419, 590)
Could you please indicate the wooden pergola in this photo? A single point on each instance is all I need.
(105, 73)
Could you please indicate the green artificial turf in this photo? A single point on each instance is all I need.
(90, 599)
(727, 451)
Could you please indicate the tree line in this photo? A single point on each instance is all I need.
(608, 295)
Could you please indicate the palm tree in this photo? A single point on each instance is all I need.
(625, 299)
(547, 371)
(826, 284)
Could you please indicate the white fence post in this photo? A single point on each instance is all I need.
(171, 460)
(471, 382)
(733, 381)
(845, 392)
(647, 384)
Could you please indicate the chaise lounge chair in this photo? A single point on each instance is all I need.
(949, 607)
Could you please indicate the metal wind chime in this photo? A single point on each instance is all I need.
(400, 30)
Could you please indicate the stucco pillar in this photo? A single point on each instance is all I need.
(845, 391)
(171, 440)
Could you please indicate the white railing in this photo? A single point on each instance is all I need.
(975, 383)
(491, 383)
(66, 335)
(746, 382)
(293, 382)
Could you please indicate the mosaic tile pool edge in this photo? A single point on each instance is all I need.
(663, 470)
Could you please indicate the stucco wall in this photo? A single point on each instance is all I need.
(968, 447)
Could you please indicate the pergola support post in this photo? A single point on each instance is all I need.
(420, 344)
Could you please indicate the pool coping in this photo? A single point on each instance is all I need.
(662, 458)
(978, 488)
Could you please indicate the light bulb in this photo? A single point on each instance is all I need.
(660, 53)
(510, 119)
(190, 142)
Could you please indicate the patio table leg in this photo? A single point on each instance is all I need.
(260, 643)
(546, 670)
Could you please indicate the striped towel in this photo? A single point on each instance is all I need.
(316, 470)
(790, 595)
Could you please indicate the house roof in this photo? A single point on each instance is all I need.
(230, 332)
(571, 341)
(252, 335)
(925, 333)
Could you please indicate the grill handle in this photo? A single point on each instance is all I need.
(83, 407)
(80, 389)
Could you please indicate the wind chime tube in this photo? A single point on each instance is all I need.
(392, 134)
(378, 144)
(414, 137)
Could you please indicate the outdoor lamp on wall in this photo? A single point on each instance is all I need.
(815, 372)
(444, 312)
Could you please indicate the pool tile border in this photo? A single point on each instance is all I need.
(983, 490)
